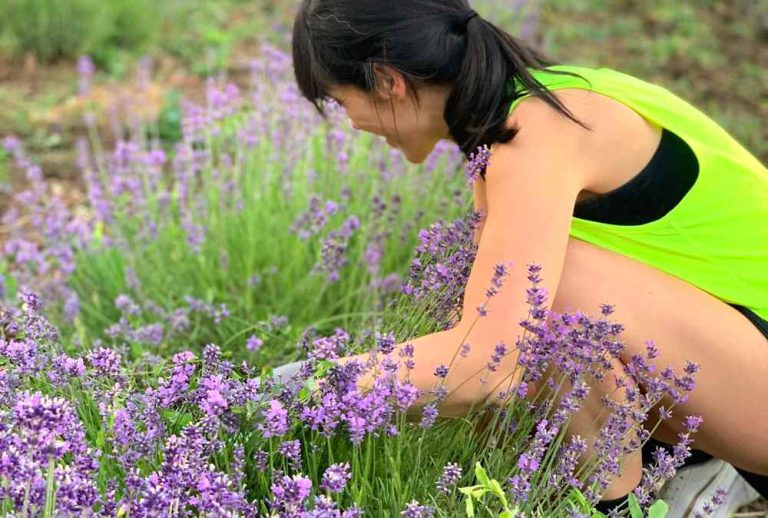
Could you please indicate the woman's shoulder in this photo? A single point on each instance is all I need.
(620, 143)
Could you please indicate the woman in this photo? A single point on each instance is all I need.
(620, 190)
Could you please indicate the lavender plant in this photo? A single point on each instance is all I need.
(201, 434)
(247, 220)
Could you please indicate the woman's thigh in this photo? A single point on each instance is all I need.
(686, 323)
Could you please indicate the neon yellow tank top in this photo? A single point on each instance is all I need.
(716, 238)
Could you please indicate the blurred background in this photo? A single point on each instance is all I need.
(144, 56)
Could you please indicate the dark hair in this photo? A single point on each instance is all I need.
(338, 42)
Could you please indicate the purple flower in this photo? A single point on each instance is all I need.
(414, 509)
(527, 464)
(336, 477)
(253, 343)
(292, 451)
(385, 342)
(214, 388)
(664, 413)
(451, 474)
(406, 395)
(500, 272)
(289, 494)
(105, 361)
(30, 299)
(12, 144)
(276, 420)
(85, 69)
(261, 457)
(331, 347)
(429, 415)
(478, 162)
(692, 423)
(126, 305)
(151, 334)
(520, 487)
(441, 371)
(278, 321)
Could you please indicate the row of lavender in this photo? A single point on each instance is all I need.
(266, 235)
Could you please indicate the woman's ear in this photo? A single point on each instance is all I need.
(390, 83)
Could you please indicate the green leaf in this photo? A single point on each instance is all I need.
(658, 510)
(98, 233)
(577, 497)
(496, 489)
(50, 490)
(322, 368)
(177, 418)
(470, 508)
(481, 475)
(634, 507)
(468, 490)
(479, 492)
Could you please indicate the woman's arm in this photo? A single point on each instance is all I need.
(532, 186)
(481, 205)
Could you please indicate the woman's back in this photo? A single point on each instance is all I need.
(716, 236)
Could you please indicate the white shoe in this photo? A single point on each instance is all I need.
(693, 487)
(286, 374)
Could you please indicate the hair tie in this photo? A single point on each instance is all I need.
(470, 14)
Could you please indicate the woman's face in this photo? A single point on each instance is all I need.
(411, 129)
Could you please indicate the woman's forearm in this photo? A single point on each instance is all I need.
(429, 352)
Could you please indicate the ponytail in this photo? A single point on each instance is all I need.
(493, 65)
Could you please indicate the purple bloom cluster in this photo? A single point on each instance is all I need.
(290, 494)
(478, 162)
(710, 507)
(336, 478)
(414, 509)
(441, 268)
(330, 347)
(452, 473)
(315, 218)
(334, 248)
(38, 431)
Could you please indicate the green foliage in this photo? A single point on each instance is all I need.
(659, 509)
(169, 119)
(56, 29)
(486, 485)
(203, 40)
(52, 29)
(4, 167)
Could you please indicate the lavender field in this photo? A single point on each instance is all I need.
(139, 328)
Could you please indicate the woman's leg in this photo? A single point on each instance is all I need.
(686, 323)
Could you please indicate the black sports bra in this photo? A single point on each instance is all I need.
(652, 193)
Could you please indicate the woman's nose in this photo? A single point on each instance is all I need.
(353, 125)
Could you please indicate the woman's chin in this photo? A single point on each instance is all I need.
(414, 160)
(414, 156)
